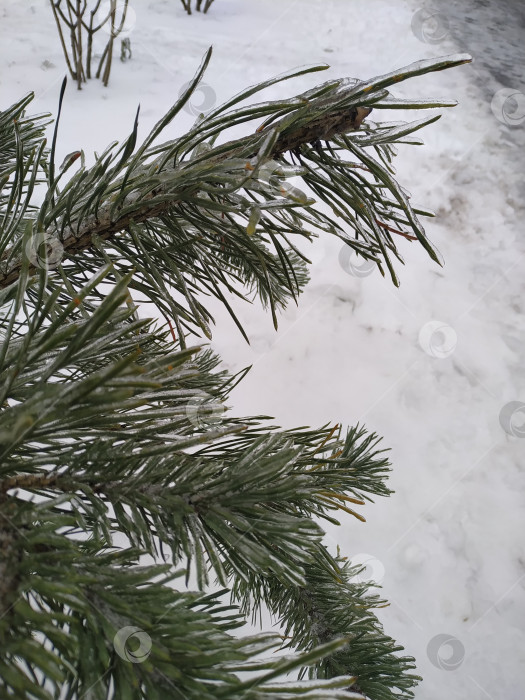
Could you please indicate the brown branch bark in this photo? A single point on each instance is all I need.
(28, 481)
(10, 556)
(60, 34)
(102, 226)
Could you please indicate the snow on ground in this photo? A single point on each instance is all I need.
(432, 366)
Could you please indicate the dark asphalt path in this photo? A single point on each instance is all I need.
(493, 32)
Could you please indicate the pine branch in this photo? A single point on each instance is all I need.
(92, 605)
(189, 186)
(77, 237)
(104, 438)
(111, 427)
(319, 611)
(74, 388)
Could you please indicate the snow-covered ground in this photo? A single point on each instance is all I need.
(433, 366)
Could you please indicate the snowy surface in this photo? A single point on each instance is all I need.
(448, 545)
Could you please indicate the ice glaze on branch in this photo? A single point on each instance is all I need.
(104, 226)
(108, 199)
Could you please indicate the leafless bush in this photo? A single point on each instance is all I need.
(77, 25)
(200, 5)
